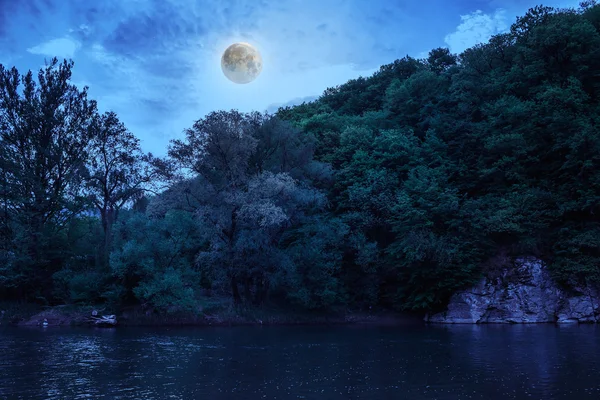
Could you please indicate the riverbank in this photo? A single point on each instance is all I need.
(23, 314)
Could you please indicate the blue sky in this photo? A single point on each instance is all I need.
(157, 62)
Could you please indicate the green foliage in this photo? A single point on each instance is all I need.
(43, 136)
(246, 194)
(316, 250)
(440, 60)
(83, 278)
(154, 260)
(467, 156)
(116, 172)
(391, 190)
(167, 290)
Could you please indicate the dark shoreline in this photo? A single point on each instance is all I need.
(28, 315)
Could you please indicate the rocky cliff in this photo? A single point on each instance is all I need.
(521, 293)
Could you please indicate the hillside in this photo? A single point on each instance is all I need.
(389, 192)
(449, 161)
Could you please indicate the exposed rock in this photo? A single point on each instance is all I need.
(521, 293)
(104, 320)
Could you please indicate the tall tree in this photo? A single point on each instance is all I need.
(119, 172)
(246, 198)
(440, 59)
(44, 131)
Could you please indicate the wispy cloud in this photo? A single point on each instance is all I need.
(60, 47)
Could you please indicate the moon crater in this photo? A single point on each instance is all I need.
(241, 63)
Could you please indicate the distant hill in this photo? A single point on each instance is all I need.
(298, 100)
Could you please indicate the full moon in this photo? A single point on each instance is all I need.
(241, 63)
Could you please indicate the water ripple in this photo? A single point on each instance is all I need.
(470, 362)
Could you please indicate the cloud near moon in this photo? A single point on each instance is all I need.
(241, 63)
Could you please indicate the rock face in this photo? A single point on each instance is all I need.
(523, 293)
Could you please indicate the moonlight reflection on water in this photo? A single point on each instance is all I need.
(415, 362)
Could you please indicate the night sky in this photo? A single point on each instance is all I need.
(157, 62)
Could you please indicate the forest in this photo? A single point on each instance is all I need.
(388, 192)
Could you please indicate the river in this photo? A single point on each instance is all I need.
(357, 362)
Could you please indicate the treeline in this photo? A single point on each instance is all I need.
(391, 191)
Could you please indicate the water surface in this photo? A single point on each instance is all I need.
(360, 362)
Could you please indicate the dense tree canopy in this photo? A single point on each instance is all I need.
(390, 191)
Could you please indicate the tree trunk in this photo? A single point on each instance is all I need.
(261, 291)
(108, 218)
(104, 220)
(248, 289)
(5, 232)
(234, 289)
